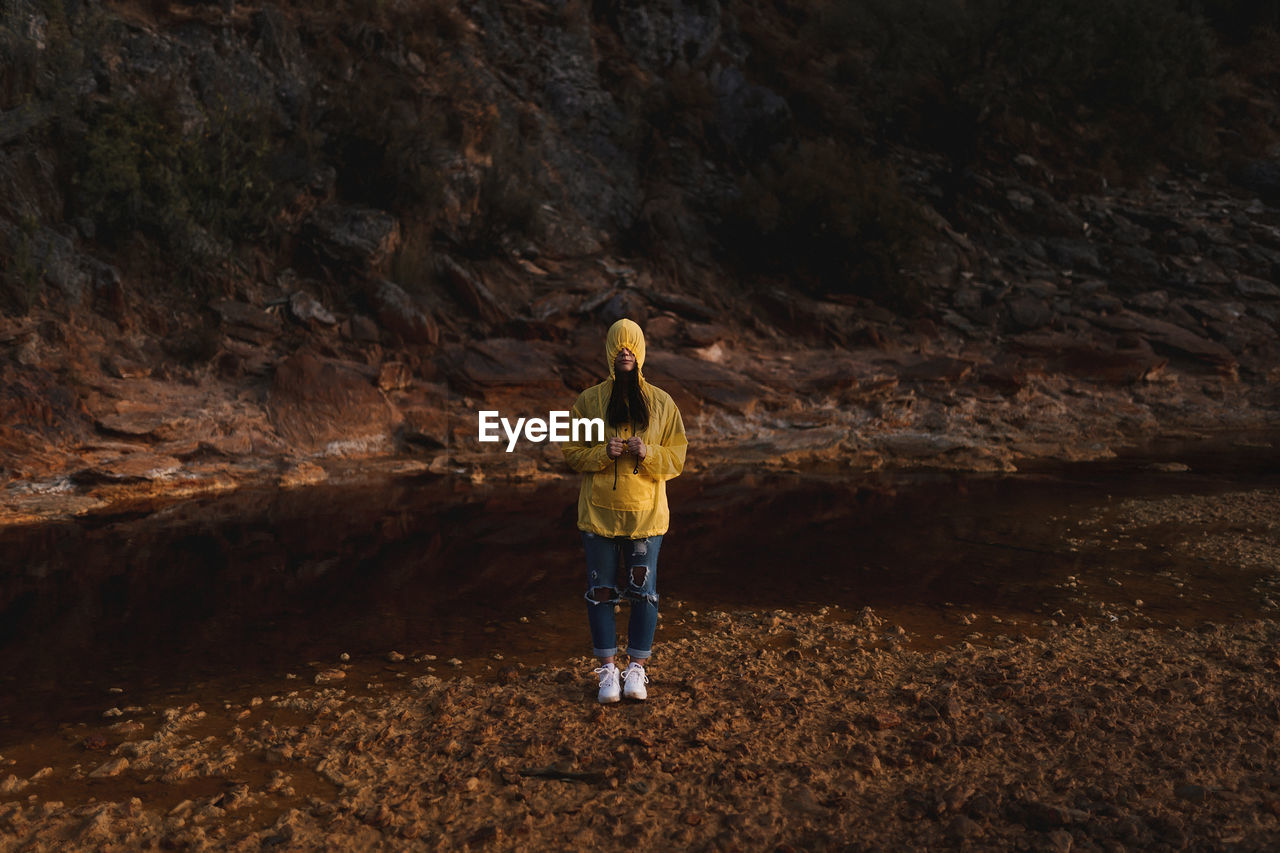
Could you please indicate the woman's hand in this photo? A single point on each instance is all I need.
(636, 446)
(617, 447)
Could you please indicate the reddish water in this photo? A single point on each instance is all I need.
(221, 599)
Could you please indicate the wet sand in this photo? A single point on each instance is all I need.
(816, 728)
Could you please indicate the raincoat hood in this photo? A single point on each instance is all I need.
(625, 333)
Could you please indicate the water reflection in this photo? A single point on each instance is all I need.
(253, 584)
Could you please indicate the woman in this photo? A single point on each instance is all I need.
(622, 505)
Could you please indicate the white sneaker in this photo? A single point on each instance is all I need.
(633, 682)
(609, 689)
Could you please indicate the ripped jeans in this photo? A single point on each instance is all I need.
(639, 559)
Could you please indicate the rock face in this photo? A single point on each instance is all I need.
(317, 404)
(399, 315)
(461, 200)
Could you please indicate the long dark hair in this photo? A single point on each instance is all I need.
(626, 400)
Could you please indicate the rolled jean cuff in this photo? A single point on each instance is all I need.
(637, 654)
(605, 653)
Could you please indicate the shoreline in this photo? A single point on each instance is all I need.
(68, 496)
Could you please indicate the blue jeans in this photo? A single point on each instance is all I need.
(639, 559)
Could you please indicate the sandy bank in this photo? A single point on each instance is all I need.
(807, 730)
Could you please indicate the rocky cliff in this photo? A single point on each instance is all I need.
(288, 240)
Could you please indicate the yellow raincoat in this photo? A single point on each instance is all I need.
(615, 499)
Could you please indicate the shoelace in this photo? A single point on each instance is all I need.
(607, 673)
(637, 670)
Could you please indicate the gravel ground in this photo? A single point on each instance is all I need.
(769, 730)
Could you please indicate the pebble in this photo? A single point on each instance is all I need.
(329, 676)
(110, 768)
(454, 662)
(1192, 793)
(962, 826)
(394, 657)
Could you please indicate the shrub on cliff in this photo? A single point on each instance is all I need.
(832, 219)
(1131, 77)
(139, 170)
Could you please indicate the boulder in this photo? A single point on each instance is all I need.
(1093, 358)
(361, 329)
(129, 468)
(305, 308)
(681, 375)
(1076, 255)
(237, 358)
(1171, 338)
(1256, 288)
(940, 369)
(623, 303)
(140, 423)
(248, 322)
(502, 362)
(398, 313)
(688, 307)
(315, 403)
(470, 291)
(1029, 312)
(426, 426)
(359, 237)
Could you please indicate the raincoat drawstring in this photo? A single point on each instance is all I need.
(635, 470)
(615, 466)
